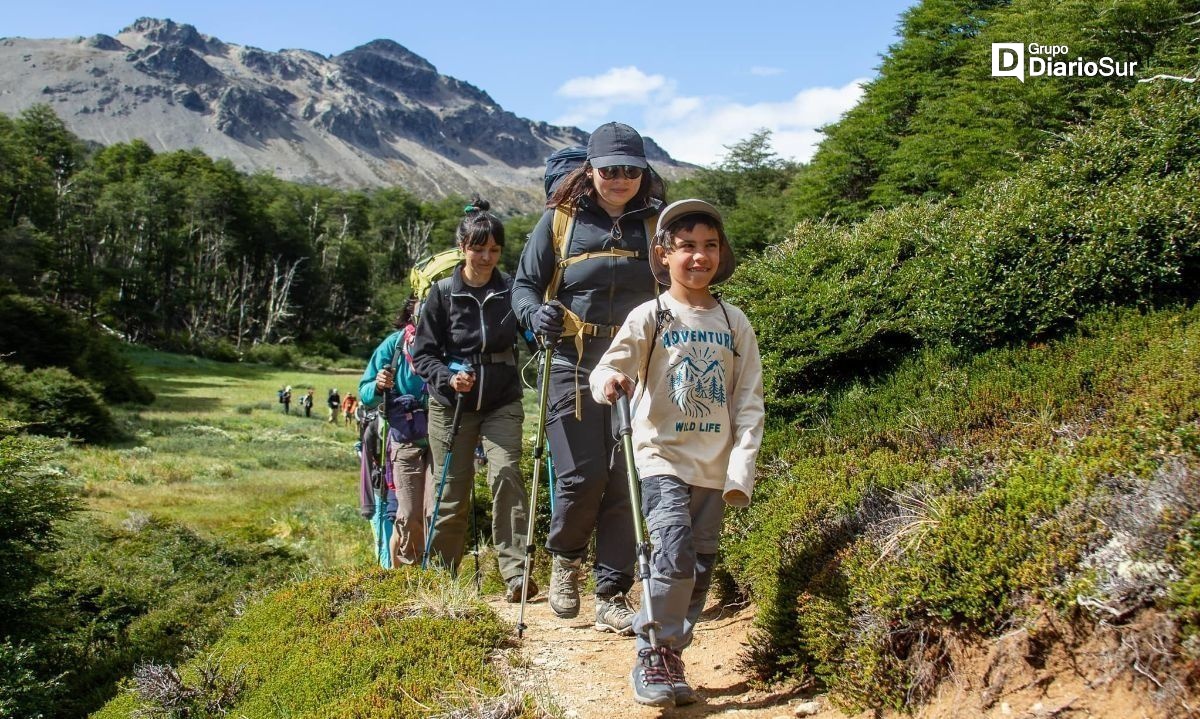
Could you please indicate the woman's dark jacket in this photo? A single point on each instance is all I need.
(457, 327)
(603, 290)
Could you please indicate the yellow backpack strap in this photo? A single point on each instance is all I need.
(574, 326)
(560, 238)
(615, 252)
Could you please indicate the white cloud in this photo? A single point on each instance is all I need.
(762, 71)
(620, 84)
(595, 96)
(702, 134)
(698, 129)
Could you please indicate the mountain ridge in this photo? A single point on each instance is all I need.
(375, 115)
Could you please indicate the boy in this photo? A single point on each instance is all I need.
(697, 426)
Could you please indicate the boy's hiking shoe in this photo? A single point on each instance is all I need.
(651, 680)
(512, 592)
(614, 615)
(564, 586)
(684, 694)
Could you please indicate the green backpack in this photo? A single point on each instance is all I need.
(430, 269)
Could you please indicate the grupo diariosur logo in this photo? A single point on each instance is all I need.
(1014, 59)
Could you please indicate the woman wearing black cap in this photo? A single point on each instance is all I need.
(582, 271)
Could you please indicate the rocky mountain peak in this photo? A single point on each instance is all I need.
(168, 33)
(376, 115)
(394, 67)
(393, 51)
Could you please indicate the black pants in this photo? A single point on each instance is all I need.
(591, 488)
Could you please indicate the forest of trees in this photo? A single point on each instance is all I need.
(933, 123)
(180, 250)
(177, 249)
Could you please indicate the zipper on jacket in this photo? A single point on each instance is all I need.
(617, 234)
(480, 371)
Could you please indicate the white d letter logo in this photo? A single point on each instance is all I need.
(1008, 60)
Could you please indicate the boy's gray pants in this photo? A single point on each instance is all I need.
(684, 523)
(591, 491)
(500, 430)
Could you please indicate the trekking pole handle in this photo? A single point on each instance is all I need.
(458, 401)
(547, 342)
(458, 410)
(624, 425)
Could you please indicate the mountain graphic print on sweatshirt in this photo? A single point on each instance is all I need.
(697, 383)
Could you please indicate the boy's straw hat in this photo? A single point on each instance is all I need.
(681, 208)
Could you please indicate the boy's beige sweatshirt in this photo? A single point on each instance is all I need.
(700, 417)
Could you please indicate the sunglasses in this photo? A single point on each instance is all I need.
(611, 172)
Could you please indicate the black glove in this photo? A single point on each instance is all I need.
(547, 320)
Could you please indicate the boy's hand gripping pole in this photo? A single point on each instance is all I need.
(539, 444)
(625, 429)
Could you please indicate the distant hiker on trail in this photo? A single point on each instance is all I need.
(348, 405)
(334, 400)
(408, 444)
(696, 431)
(286, 398)
(466, 351)
(307, 402)
(606, 208)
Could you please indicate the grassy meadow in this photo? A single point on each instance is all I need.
(220, 551)
(216, 453)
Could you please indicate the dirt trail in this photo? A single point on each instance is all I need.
(587, 672)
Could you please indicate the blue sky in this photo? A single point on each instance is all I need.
(696, 76)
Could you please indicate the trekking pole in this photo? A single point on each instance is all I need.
(476, 538)
(550, 476)
(437, 503)
(625, 428)
(379, 482)
(539, 443)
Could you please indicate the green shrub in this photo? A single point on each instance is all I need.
(378, 644)
(833, 301)
(276, 355)
(53, 402)
(37, 334)
(145, 592)
(34, 499)
(1184, 598)
(22, 692)
(327, 350)
(960, 492)
(1107, 218)
(218, 349)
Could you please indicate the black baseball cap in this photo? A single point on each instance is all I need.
(614, 143)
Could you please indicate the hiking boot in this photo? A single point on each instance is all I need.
(650, 679)
(684, 694)
(614, 615)
(512, 592)
(564, 586)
